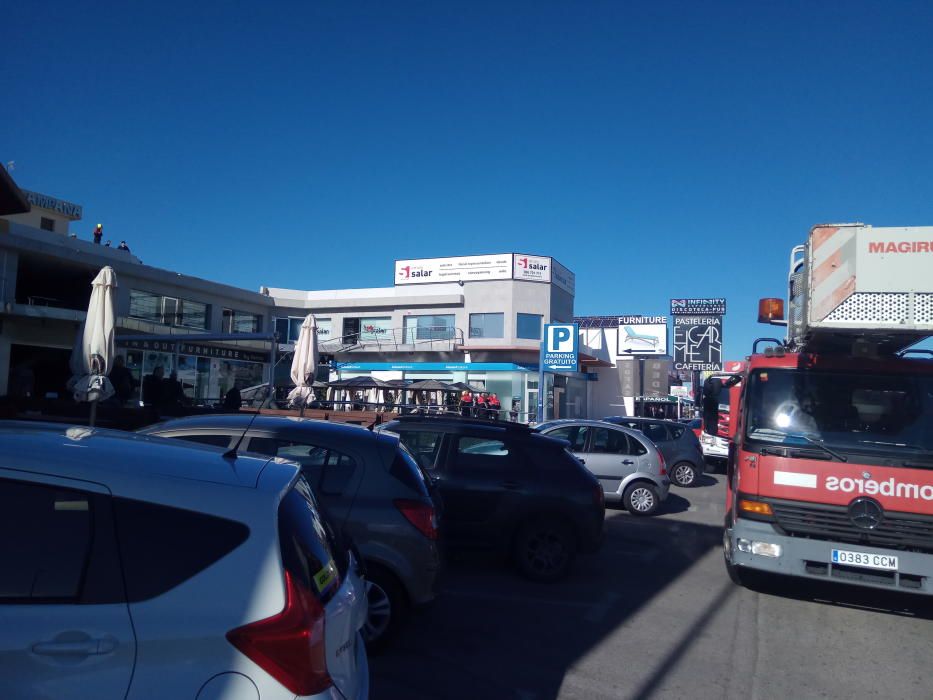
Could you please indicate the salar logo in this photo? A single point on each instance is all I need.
(527, 264)
(408, 272)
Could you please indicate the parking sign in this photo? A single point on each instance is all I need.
(560, 350)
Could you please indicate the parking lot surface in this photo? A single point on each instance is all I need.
(653, 615)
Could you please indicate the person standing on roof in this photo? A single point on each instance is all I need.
(98, 233)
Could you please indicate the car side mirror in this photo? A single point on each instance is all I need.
(712, 389)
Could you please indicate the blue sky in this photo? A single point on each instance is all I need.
(658, 150)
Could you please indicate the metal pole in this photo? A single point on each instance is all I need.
(541, 403)
(641, 383)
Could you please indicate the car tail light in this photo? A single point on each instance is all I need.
(419, 514)
(663, 463)
(599, 498)
(289, 646)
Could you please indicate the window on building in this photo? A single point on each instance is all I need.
(439, 327)
(47, 224)
(487, 325)
(287, 328)
(241, 322)
(529, 326)
(168, 311)
(146, 306)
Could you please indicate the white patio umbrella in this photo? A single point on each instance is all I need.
(304, 363)
(95, 359)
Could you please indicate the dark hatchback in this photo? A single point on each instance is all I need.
(676, 441)
(508, 489)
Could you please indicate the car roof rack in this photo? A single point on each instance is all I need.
(461, 420)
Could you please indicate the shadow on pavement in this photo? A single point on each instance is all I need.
(842, 595)
(704, 480)
(492, 634)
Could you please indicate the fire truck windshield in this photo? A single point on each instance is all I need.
(849, 411)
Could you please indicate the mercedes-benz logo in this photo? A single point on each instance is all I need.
(866, 513)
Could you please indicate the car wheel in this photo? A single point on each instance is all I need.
(386, 607)
(684, 474)
(641, 498)
(544, 549)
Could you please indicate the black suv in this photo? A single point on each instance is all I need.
(506, 488)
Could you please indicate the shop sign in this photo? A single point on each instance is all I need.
(560, 349)
(562, 277)
(642, 335)
(702, 307)
(531, 268)
(698, 343)
(656, 399)
(466, 268)
(199, 349)
(43, 201)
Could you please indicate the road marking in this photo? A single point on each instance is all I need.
(794, 479)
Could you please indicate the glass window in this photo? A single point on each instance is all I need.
(487, 325)
(241, 322)
(608, 441)
(306, 542)
(162, 547)
(46, 541)
(423, 444)
(213, 440)
(439, 327)
(47, 224)
(192, 314)
(656, 432)
(529, 326)
(480, 452)
(287, 328)
(168, 311)
(146, 306)
(376, 328)
(328, 470)
(574, 434)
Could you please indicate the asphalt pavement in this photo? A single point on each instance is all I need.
(653, 615)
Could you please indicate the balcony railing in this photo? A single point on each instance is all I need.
(436, 338)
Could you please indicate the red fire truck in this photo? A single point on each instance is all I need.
(830, 467)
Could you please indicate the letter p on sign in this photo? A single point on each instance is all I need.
(560, 339)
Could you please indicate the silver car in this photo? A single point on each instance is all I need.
(628, 465)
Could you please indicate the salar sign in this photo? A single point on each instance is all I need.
(698, 343)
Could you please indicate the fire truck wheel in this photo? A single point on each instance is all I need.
(684, 474)
(641, 498)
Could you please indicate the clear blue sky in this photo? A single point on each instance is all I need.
(657, 149)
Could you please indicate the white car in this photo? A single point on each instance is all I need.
(714, 447)
(137, 567)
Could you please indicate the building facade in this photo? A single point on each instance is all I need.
(473, 319)
(163, 317)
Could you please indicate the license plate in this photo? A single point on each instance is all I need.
(884, 562)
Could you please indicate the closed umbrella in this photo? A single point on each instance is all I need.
(304, 362)
(97, 346)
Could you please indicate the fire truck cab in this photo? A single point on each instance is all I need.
(830, 466)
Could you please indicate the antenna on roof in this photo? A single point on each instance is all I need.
(232, 452)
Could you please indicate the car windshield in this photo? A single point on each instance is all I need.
(862, 412)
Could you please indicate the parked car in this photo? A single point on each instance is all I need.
(678, 444)
(508, 489)
(371, 489)
(695, 424)
(135, 568)
(715, 450)
(628, 465)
